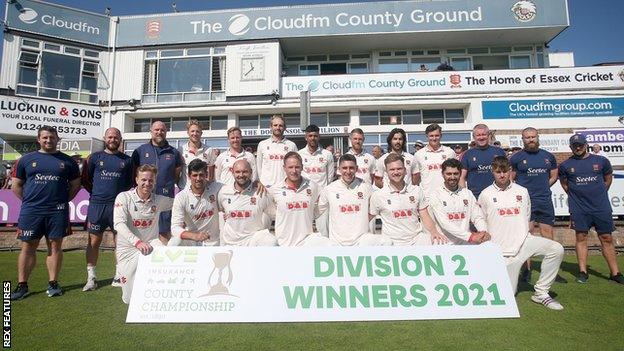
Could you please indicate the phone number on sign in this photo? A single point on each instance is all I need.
(60, 129)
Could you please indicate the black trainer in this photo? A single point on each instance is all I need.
(582, 277)
(618, 278)
(560, 279)
(20, 292)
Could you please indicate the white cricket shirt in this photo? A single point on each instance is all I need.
(197, 213)
(270, 160)
(454, 210)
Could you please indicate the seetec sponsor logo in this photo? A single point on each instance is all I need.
(586, 179)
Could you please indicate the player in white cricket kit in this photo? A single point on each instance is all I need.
(402, 207)
(136, 222)
(318, 166)
(396, 145)
(271, 151)
(454, 208)
(244, 208)
(225, 161)
(365, 161)
(507, 208)
(294, 204)
(427, 161)
(195, 149)
(346, 200)
(195, 214)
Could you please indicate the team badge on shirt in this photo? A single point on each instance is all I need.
(572, 170)
(360, 195)
(168, 157)
(337, 196)
(524, 162)
(102, 164)
(474, 159)
(519, 198)
(444, 203)
(389, 202)
(321, 160)
(62, 165)
(493, 199)
(412, 199)
(211, 198)
(34, 164)
(596, 167)
(465, 202)
(365, 160)
(229, 201)
(252, 200)
(147, 155)
(153, 209)
(547, 161)
(309, 192)
(444, 157)
(285, 148)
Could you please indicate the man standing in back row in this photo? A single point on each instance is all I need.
(428, 161)
(477, 161)
(168, 161)
(105, 174)
(271, 151)
(587, 178)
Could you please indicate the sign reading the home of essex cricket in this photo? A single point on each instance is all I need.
(281, 284)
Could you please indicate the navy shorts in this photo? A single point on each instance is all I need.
(543, 212)
(164, 222)
(99, 218)
(602, 222)
(54, 225)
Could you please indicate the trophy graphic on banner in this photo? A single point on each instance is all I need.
(221, 271)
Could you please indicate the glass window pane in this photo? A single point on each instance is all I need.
(295, 58)
(478, 50)
(308, 70)
(389, 117)
(171, 53)
(429, 63)
(26, 90)
(91, 53)
(73, 51)
(29, 58)
(358, 68)
(456, 51)
(540, 60)
(392, 65)
(89, 84)
(520, 62)
(28, 75)
(339, 57)
(141, 125)
(179, 75)
(219, 123)
(291, 120)
(490, 62)
(198, 51)
(204, 122)
(461, 63)
(433, 52)
(179, 124)
(369, 118)
(53, 47)
(250, 122)
(151, 54)
(333, 68)
(317, 58)
(360, 56)
(320, 119)
(418, 52)
(433, 116)
(500, 50)
(60, 71)
(291, 70)
(339, 119)
(523, 48)
(219, 50)
(265, 121)
(454, 116)
(400, 53)
(30, 43)
(412, 117)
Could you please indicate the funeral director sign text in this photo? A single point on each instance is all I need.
(202, 284)
(21, 116)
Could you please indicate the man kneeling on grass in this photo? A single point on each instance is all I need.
(507, 208)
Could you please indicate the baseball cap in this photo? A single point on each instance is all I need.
(419, 143)
(578, 139)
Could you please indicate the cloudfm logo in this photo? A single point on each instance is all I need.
(239, 24)
(28, 16)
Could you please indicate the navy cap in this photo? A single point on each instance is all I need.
(578, 139)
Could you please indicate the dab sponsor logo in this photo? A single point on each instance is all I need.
(28, 16)
(239, 24)
(525, 11)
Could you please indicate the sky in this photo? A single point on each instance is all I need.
(595, 34)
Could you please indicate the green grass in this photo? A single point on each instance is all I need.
(592, 320)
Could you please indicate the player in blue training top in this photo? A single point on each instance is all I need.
(105, 174)
(477, 161)
(45, 181)
(587, 178)
(536, 169)
(168, 162)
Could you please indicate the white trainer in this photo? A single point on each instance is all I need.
(116, 282)
(547, 301)
(90, 285)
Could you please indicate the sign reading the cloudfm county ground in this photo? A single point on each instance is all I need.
(21, 116)
(281, 284)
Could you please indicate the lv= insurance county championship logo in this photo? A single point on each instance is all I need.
(221, 276)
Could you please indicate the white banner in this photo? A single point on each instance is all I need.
(523, 80)
(23, 116)
(281, 284)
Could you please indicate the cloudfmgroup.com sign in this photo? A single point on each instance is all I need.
(224, 284)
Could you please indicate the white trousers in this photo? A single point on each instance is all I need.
(316, 239)
(369, 239)
(126, 268)
(552, 253)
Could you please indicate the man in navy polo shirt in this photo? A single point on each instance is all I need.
(105, 174)
(45, 181)
(536, 169)
(477, 161)
(169, 162)
(587, 178)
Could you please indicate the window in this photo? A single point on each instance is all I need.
(358, 68)
(196, 74)
(57, 72)
(369, 118)
(390, 117)
(461, 63)
(425, 64)
(308, 70)
(338, 119)
(319, 119)
(412, 117)
(454, 116)
(142, 125)
(520, 62)
(398, 117)
(433, 116)
(491, 62)
(392, 65)
(248, 122)
(333, 68)
(178, 124)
